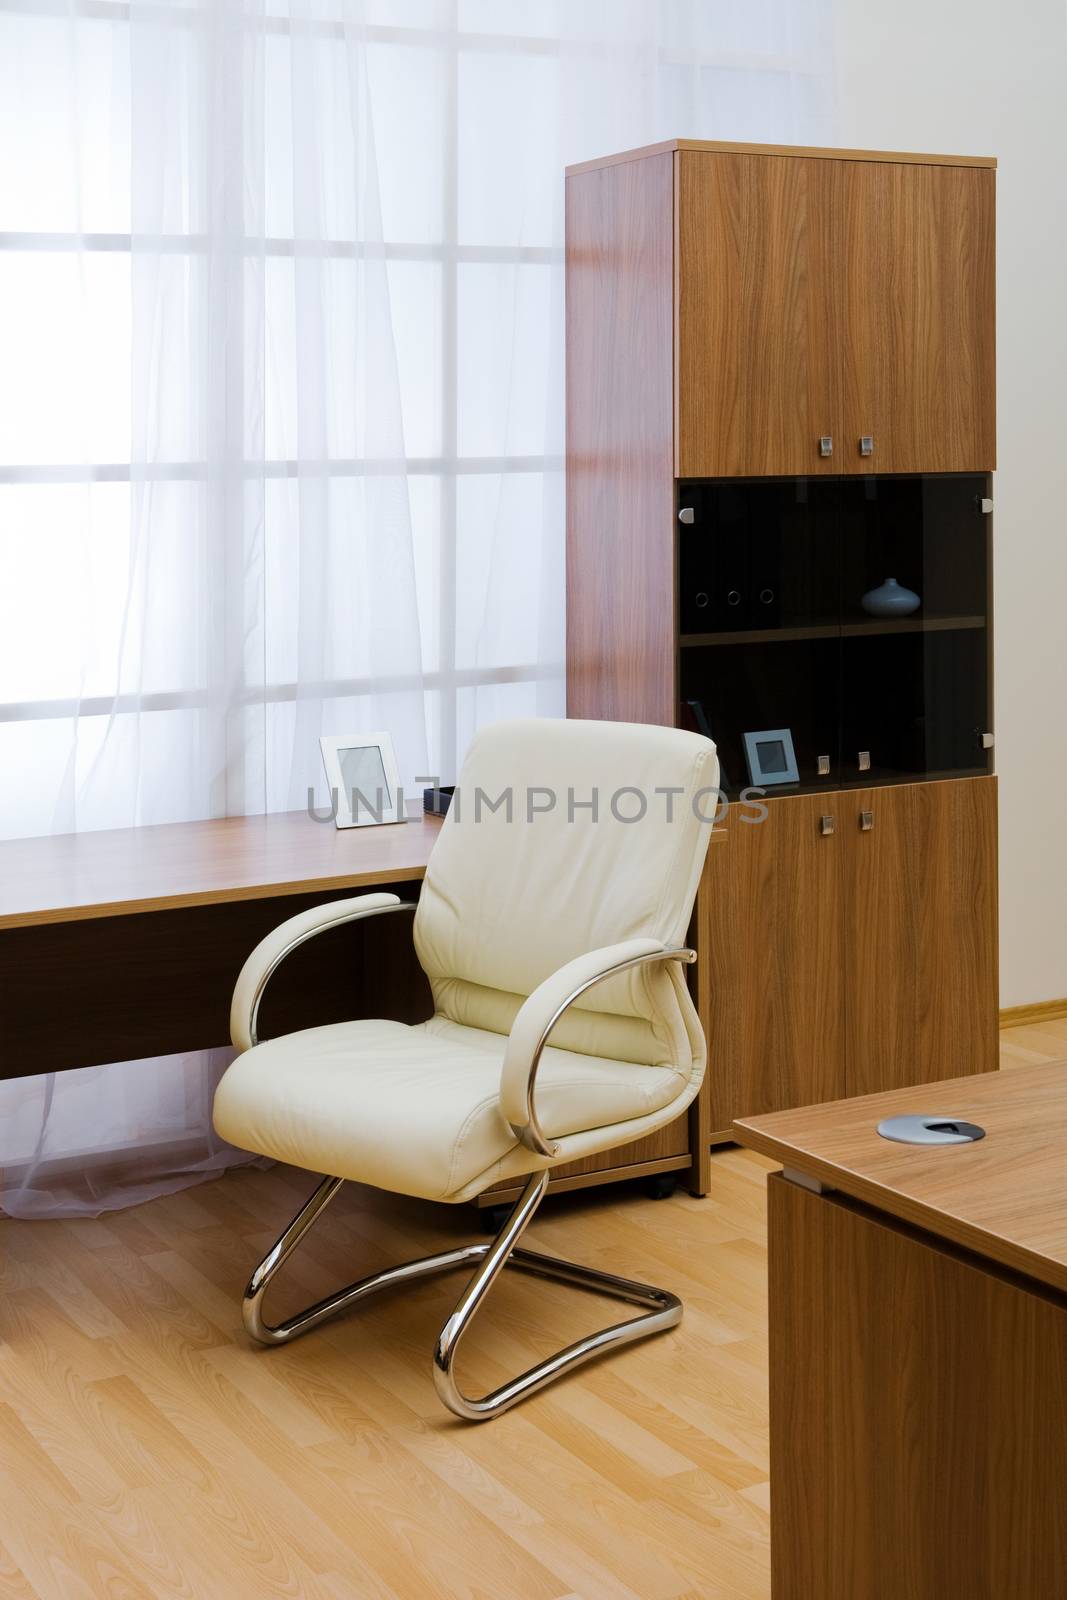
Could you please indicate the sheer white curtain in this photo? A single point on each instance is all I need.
(281, 411)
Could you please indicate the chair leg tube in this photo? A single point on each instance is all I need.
(283, 1247)
(662, 1310)
(260, 1281)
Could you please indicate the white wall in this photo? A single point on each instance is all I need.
(989, 77)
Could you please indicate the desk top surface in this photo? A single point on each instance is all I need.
(72, 876)
(1004, 1196)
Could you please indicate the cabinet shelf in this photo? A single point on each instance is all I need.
(832, 630)
(838, 787)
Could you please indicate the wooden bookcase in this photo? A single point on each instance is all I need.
(751, 328)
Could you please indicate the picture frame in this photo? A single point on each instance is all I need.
(361, 771)
(771, 758)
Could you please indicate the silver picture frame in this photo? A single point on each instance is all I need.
(771, 758)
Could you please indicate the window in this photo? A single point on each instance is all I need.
(280, 411)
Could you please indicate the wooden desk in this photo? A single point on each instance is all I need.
(174, 912)
(918, 1346)
(122, 945)
(120, 872)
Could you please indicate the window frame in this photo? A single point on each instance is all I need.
(449, 465)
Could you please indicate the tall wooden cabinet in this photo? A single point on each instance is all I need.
(792, 351)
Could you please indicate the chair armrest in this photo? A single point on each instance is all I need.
(270, 952)
(538, 1015)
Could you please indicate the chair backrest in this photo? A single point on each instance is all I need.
(566, 836)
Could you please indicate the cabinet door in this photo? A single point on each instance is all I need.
(769, 975)
(914, 688)
(913, 252)
(759, 584)
(754, 365)
(920, 942)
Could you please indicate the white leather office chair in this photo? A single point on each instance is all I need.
(546, 913)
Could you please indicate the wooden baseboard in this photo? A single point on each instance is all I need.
(1041, 1011)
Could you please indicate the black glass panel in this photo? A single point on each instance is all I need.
(758, 555)
(914, 666)
(852, 612)
(914, 705)
(917, 537)
(761, 687)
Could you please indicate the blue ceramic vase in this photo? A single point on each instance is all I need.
(890, 599)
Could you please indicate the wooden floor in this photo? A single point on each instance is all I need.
(146, 1449)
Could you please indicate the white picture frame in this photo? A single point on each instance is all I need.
(361, 771)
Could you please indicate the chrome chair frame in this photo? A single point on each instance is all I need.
(662, 1309)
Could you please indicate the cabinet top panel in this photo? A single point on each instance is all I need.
(729, 148)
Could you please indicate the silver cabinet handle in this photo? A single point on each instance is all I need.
(822, 765)
(686, 515)
(826, 445)
(863, 760)
(866, 821)
(866, 444)
(826, 825)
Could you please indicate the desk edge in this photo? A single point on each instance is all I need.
(939, 1224)
(209, 897)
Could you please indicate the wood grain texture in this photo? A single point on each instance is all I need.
(1028, 1044)
(1039, 1011)
(80, 994)
(769, 976)
(921, 933)
(621, 626)
(820, 152)
(854, 962)
(329, 1469)
(118, 872)
(833, 297)
(148, 1449)
(915, 316)
(756, 367)
(1004, 1197)
(840, 295)
(916, 1406)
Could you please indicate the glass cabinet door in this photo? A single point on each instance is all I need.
(850, 614)
(759, 605)
(914, 626)
(779, 694)
(759, 556)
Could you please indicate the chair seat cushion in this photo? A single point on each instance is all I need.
(415, 1109)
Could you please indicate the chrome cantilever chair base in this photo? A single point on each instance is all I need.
(662, 1310)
